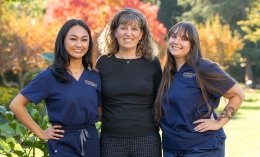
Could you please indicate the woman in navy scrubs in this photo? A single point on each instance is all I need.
(189, 93)
(71, 90)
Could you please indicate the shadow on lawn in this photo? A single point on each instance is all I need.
(249, 107)
(238, 114)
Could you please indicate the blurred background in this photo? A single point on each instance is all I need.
(229, 33)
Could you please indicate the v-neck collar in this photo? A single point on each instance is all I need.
(79, 76)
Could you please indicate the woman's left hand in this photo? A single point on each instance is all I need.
(207, 124)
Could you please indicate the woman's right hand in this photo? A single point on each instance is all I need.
(53, 132)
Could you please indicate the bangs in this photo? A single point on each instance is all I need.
(183, 29)
(130, 19)
(180, 31)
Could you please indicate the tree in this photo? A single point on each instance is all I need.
(154, 2)
(217, 42)
(98, 13)
(1, 3)
(251, 27)
(198, 10)
(23, 38)
(230, 13)
(168, 11)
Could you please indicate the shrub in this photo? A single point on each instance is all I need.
(7, 94)
(19, 135)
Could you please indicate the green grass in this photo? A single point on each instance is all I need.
(243, 131)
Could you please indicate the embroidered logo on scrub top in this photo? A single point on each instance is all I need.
(189, 74)
(91, 83)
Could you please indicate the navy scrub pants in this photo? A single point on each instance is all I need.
(218, 151)
(79, 141)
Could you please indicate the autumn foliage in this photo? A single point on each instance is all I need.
(97, 13)
(217, 42)
(24, 37)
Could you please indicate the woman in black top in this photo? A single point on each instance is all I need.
(130, 74)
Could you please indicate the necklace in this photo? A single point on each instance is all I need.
(76, 72)
(128, 60)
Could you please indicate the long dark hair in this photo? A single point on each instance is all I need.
(62, 58)
(192, 59)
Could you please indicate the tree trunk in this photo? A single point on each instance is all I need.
(21, 78)
(8, 83)
(249, 77)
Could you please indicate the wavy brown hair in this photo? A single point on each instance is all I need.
(192, 59)
(108, 43)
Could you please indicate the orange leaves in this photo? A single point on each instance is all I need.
(32, 36)
(93, 12)
(97, 13)
(34, 39)
(217, 41)
(150, 11)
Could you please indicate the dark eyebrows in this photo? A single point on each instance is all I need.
(85, 36)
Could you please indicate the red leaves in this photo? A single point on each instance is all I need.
(97, 13)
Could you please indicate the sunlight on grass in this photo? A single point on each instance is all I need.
(242, 131)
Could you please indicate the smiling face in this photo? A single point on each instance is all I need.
(179, 44)
(76, 42)
(128, 36)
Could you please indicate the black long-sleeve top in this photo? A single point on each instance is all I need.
(129, 91)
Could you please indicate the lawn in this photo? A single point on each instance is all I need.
(243, 135)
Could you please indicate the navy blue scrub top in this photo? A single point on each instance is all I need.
(69, 104)
(180, 110)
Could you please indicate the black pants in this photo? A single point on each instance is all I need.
(146, 146)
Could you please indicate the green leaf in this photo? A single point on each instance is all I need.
(33, 112)
(40, 107)
(48, 56)
(29, 106)
(9, 133)
(18, 152)
(2, 109)
(9, 116)
(28, 143)
(3, 137)
(17, 138)
(36, 114)
(44, 125)
(13, 125)
(32, 138)
(1, 148)
(11, 144)
(23, 130)
(38, 120)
